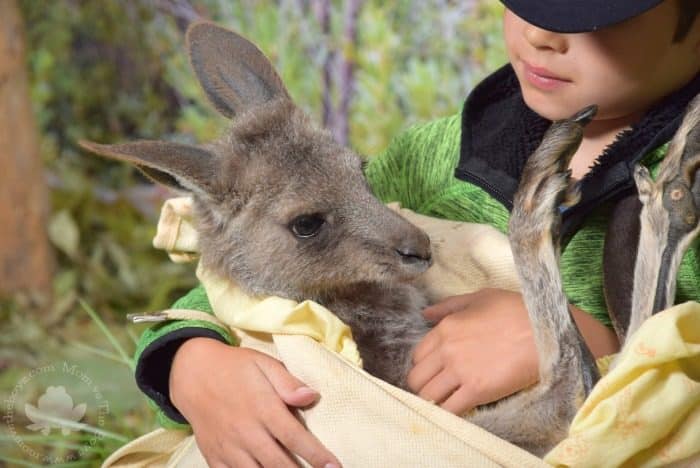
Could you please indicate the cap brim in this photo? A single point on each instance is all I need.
(574, 16)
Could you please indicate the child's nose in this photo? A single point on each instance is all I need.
(542, 39)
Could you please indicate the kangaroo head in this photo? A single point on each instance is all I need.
(282, 208)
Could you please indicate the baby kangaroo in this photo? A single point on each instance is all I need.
(283, 210)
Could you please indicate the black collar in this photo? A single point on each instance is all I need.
(499, 132)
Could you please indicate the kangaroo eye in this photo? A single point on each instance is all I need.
(306, 225)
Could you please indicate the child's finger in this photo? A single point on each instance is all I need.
(284, 427)
(238, 457)
(460, 402)
(266, 450)
(437, 312)
(293, 391)
(424, 371)
(426, 346)
(440, 387)
(281, 423)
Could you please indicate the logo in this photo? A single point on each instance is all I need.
(55, 406)
(55, 412)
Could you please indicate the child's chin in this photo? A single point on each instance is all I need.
(550, 106)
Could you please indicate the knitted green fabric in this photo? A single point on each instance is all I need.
(196, 299)
(417, 170)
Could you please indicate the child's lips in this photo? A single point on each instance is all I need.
(543, 78)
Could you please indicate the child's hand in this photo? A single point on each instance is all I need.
(482, 350)
(236, 401)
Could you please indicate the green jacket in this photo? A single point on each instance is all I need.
(418, 170)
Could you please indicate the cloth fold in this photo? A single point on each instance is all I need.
(646, 411)
(278, 316)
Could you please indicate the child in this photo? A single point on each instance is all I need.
(638, 60)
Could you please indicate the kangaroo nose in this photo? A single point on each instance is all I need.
(410, 255)
(417, 251)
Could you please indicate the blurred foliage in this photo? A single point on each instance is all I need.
(417, 61)
(114, 70)
(100, 353)
(93, 78)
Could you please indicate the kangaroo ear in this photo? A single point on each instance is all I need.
(178, 166)
(234, 73)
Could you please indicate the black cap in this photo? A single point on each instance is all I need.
(573, 16)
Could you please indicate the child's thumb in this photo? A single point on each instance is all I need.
(293, 391)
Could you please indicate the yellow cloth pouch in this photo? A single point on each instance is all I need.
(176, 233)
(646, 411)
(275, 315)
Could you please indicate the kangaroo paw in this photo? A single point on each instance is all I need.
(546, 183)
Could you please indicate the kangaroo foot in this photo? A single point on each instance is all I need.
(668, 220)
(546, 181)
(546, 186)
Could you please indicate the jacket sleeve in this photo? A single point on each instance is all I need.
(417, 165)
(156, 349)
(384, 172)
(688, 286)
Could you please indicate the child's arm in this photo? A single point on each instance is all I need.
(483, 349)
(157, 347)
(236, 401)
